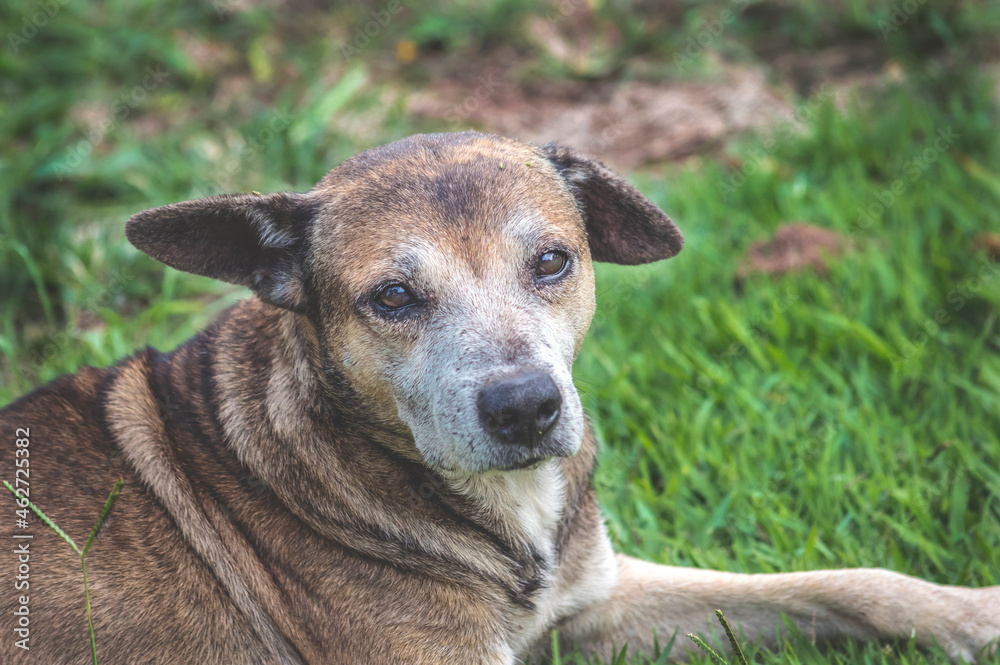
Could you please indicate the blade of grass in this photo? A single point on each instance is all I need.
(104, 513)
(90, 619)
(716, 658)
(737, 650)
(42, 516)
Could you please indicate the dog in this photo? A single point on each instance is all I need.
(381, 456)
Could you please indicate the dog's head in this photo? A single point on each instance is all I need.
(448, 277)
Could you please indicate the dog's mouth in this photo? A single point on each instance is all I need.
(518, 457)
(525, 465)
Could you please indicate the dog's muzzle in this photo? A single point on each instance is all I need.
(520, 409)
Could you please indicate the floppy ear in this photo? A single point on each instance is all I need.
(623, 226)
(252, 240)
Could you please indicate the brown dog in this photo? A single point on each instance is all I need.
(381, 458)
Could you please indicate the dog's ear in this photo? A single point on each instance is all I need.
(252, 240)
(623, 226)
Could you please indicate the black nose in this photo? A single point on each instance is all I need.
(520, 409)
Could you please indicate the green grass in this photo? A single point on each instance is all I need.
(780, 424)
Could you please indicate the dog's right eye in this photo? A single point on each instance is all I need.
(395, 296)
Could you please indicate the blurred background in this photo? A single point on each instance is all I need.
(814, 381)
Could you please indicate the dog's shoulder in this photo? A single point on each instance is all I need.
(61, 428)
(68, 413)
(63, 396)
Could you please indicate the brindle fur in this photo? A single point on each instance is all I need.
(283, 502)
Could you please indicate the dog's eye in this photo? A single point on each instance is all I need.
(551, 263)
(395, 296)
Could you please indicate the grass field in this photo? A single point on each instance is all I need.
(758, 425)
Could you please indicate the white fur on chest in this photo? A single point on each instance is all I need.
(531, 502)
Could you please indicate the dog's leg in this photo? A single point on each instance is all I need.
(861, 603)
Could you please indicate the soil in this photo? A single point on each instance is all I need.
(794, 247)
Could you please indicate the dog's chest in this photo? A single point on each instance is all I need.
(532, 503)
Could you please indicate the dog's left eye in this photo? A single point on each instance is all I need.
(395, 296)
(551, 263)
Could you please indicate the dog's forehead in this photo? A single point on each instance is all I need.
(470, 193)
(457, 178)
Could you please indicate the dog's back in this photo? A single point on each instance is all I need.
(151, 598)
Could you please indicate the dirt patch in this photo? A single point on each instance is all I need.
(646, 109)
(633, 123)
(625, 125)
(990, 243)
(794, 247)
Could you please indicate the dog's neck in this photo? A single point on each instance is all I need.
(527, 504)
